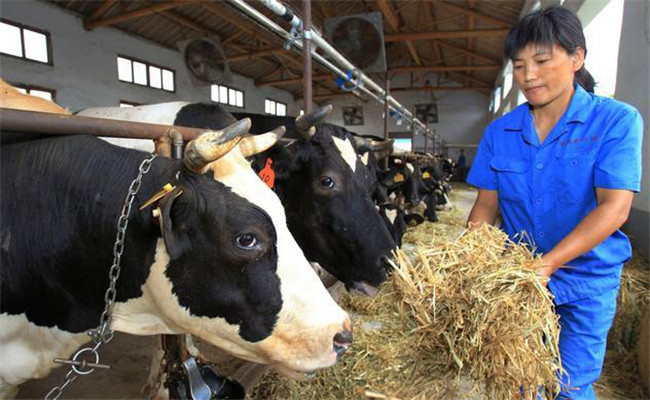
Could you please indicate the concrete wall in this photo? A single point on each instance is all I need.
(633, 87)
(462, 115)
(84, 73)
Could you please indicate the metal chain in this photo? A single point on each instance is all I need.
(102, 334)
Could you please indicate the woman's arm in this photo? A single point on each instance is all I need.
(611, 213)
(485, 209)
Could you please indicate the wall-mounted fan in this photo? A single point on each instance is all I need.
(427, 113)
(205, 60)
(360, 38)
(353, 115)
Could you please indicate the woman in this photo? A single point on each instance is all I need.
(563, 167)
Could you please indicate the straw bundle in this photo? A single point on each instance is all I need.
(468, 315)
(621, 377)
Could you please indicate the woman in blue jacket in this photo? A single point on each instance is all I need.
(563, 168)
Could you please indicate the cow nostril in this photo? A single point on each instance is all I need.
(342, 342)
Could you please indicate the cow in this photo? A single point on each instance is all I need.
(318, 179)
(215, 260)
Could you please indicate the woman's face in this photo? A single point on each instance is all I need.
(545, 74)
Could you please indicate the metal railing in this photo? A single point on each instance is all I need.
(339, 67)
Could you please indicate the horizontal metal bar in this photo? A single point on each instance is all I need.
(61, 124)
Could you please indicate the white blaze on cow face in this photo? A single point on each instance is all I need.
(391, 215)
(364, 158)
(410, 167)
(309, 319)
(27, 350)
(347, 152)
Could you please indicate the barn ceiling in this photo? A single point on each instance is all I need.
(433, 42)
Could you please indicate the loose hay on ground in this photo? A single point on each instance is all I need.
(470, 307)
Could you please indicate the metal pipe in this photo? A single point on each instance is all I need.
(386, 108)
(274, 28)
(413, 128)
(60, 124)
(307, 56)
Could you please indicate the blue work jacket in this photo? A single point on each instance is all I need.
(546, 189)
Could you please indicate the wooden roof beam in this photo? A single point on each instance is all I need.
(475, 14)
(439, 68)
(133, 14)
(394, 22)
(101, 10)
(398, 37)
(467, 52)
(257, 54)
(281, 82)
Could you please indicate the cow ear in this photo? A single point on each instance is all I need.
(176, 239)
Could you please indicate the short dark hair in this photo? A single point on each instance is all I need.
(546, 27)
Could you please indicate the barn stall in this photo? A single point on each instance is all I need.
(434, 68)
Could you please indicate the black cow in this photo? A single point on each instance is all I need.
(325, 189)
(216, 260)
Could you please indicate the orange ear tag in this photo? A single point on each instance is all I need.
(267, 175)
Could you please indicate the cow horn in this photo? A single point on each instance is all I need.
(255, 144)
(305, 123)
(212, 145)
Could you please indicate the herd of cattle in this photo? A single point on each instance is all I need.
(225, 256)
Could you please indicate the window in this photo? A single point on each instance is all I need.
(497, 100)
(275, 107)
(47, 94)
(507, 79)
(603, 36)
(24, 42)
(144, 74)
(227, 95)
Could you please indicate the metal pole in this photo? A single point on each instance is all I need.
(426, 142)
(60, 124)
(307, 55)
(386, 108)
(413, 134)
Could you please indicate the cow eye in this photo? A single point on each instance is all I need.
(247, 241)
(327, 182)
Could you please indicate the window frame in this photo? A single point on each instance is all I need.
(48, 43)
(276, 107)
(228, 89)
(147, 65)
(29, 88)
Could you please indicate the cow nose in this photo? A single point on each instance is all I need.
(342, 342)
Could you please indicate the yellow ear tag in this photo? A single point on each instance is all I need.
(398, 178)
(164, 192)
(426, 174)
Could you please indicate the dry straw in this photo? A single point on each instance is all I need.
(464, 318)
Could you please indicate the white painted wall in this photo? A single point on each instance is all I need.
(633, 87)
(84, 73)
(462, 115)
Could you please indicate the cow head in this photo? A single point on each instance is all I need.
(228, 271)
(322, 183)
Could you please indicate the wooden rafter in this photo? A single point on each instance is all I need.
(398, 37)
(467, 52)
(393, 20)
(257, 54)
(475, 14)
(101, 10)
(438, 68)
(133, 14)
(282, 82)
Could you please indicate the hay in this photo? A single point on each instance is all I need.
(454, 217)
(466, 316)
(621, 378)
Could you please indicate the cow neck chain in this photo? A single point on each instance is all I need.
(102, 334)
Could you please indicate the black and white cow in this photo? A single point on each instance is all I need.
(217, 262)
(318, 178)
